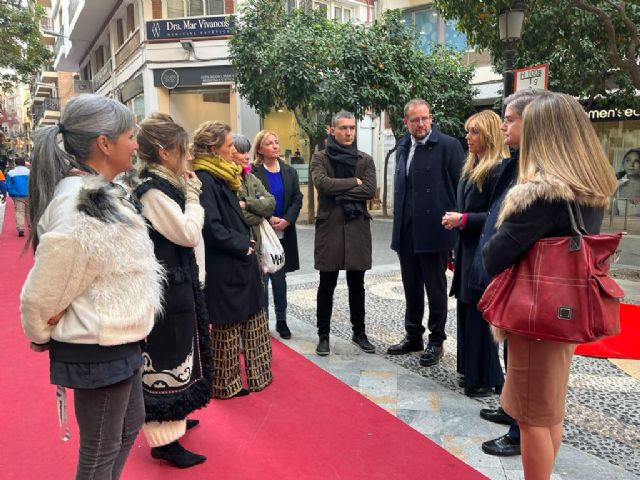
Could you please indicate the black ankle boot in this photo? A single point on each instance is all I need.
(177, 455)
(283, 329)
(323, 346)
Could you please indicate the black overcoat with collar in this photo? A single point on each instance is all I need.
(435, 172)
(475, 203)
(233, 285)
(292, 205)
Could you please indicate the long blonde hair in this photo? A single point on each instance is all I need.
(558, 140)
(488, 124)
(257, 143)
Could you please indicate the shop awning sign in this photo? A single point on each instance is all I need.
(194, 27)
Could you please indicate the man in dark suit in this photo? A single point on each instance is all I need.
(428, 165)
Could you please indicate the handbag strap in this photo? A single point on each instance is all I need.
(577, 227)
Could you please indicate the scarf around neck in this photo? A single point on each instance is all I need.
(228, 172)
(166, 174)
(343, 157)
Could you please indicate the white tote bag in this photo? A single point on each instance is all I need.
(271, 251)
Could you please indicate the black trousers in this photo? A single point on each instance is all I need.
(420, 272)
(355, 283)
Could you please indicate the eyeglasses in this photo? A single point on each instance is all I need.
(418, 120)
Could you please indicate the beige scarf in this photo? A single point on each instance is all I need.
(170, 176)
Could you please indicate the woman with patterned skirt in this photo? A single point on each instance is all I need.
(233, 287)
(177, 373)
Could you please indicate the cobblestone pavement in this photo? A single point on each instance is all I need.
(603, 404)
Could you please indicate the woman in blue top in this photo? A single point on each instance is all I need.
(281, 180)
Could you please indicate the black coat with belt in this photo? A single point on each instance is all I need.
(434, 174)
(475, 203)
(233, 285)
(292, 205)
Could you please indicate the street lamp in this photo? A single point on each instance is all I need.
(510, 21)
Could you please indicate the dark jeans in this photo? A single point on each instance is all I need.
(279, 289)
(355, 283)
(420, 272)
(109, 419)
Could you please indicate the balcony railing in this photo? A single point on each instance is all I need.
(38, 112)
(46, 24)
(128, 48)
(102, 75)
(52, 103)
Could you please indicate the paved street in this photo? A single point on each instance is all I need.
(603, 407)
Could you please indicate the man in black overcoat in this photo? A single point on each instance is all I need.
(428, 165)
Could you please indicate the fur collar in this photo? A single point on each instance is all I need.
(104, 201)
(541, 187)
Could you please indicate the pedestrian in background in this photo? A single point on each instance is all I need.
(17, 183)
(3, 187)
(256, 202)
(345, 179)
(428, 165)
(561, 164)
(477, 354)
(96, 286)
(233, 286)
(281, 180)
(177, 377)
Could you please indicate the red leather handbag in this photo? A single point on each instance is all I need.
(559, 290)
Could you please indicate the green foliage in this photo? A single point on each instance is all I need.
(22, 51)
(314, 67)
(568, 36)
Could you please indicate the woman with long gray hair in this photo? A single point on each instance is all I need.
(95, 286)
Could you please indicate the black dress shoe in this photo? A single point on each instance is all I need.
(361, 340)
(405, 346)
(323, 348)
(431, 356)
(283, 329)
(177, 455)
(496, 415)
(476, 392)
(503, 446)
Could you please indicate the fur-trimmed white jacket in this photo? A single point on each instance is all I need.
(95, 260)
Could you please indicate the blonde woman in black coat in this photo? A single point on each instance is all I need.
(281, 181)
(477, 353)
(561, 162)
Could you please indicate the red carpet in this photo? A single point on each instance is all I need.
(307, 425)
(624, 345)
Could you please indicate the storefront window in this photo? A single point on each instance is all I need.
(621, 142)
(429, 23)
(136, 105)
